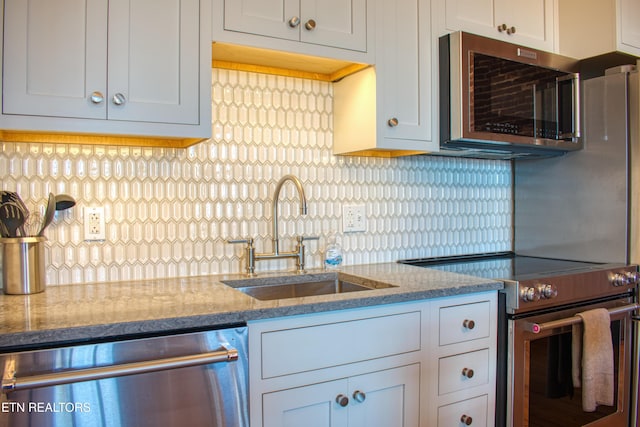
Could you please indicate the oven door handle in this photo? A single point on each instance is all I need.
(536, 328)
(10, 383)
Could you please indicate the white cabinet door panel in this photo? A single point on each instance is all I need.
(630, 23)
(264, 17)
(339, 23)
(310, 406)
(153, 58)
(405, 73)
(52, 66)
(532, 19)
(391, 398)
(474, 16)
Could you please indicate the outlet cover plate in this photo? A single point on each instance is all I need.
(354, 218)
(94, 224)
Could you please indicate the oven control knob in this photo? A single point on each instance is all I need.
(530, 294)
(619, 279)
(547, 291)
(634, 277)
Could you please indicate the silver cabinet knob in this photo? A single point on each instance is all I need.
(342, 400)
(467, 373)
(466, 420)
(310, 25)
(359, 396)
(97, 97)
(393, 122)
(468, 324)
(119, 99)
(294, 22)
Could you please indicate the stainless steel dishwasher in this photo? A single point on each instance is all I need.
(188, 379)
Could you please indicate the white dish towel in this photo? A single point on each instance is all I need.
(592, 354)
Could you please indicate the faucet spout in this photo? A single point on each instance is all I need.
(276, 196)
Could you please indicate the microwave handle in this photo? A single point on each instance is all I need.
(575, 105)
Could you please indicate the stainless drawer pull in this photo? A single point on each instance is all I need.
(10, 383)
(536, 328)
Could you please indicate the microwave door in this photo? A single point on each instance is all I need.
(567, 107)
(545, 113)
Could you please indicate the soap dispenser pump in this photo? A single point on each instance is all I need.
(333, 253)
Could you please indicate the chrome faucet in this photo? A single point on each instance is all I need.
(299, 251)
(274, 208)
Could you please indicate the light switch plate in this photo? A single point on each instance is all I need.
(354, 218)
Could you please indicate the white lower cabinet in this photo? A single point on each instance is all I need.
(464, 355)
(385, 398)
(471, 412)
(400, 365)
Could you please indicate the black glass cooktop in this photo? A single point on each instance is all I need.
(502, 265)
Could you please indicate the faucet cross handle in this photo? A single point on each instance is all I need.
(250, 252)
(300, 261)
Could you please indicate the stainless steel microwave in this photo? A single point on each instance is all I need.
(504, 101)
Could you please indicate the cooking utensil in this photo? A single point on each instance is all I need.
(32, 224)
(12, 196)
(12, 216)
(48, 214)
(64, 202)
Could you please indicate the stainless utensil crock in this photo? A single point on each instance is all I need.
(22, 267)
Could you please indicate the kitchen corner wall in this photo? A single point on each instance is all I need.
(169, 211)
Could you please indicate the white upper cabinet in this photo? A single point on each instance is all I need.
(525, 22)
(389, 110)
(337, 23)
(134, 67)
(594, 27)
(51, 64)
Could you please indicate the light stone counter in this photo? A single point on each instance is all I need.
(72, 313)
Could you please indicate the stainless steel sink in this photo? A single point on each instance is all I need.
(273, 288)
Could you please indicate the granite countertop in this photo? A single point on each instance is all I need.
(72, 313)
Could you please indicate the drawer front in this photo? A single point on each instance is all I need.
(463, 371)
(466, 322)
(471, 412)
(302, 349)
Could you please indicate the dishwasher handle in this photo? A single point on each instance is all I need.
(10, 383)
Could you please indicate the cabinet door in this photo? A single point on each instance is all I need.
(310, 406)
(273, 18)
(403, 64)
(385, 398)
(154, 60)
(533, 20)
(55, 56)
(336, 23)
(629, 15)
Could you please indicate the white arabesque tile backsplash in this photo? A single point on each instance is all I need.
(169, 212)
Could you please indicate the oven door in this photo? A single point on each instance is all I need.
(540, 391)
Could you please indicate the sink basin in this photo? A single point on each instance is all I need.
(273, 288)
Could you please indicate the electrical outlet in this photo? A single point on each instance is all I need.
(94, 225)
(353, 218)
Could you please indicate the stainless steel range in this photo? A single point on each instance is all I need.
(538, 309)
